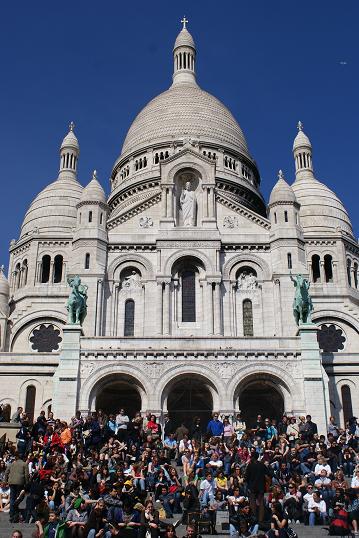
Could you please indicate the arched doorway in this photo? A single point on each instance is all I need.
(189, 397)
(118, 392)
(260, 397)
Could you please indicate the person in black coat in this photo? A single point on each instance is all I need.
(256, 473)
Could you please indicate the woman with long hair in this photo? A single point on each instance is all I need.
(279, 523)
(150, 520)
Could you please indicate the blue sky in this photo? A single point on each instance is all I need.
(98, 63)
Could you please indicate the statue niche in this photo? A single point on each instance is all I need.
(186, 198)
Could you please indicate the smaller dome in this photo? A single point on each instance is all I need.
(282, 192)
(93, 192)
(301, 140)
(4, 293)
(184, 39)
(70, 139)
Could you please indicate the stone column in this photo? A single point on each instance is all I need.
(51, 278)
(166, 307)
(233, 307)
(211, 203)
(164, 202)
(217, 308)
(278, 309)
(315, 379)
(159, 306)
(66, 378)
(205, 202)
(98, 331)
(209, 304)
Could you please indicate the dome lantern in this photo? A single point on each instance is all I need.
(302, 150)
(69, 154)
(184, 57)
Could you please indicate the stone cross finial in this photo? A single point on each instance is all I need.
(184, 22)
(300, 126)
(72, 126)
(280, 174)
(94, 174)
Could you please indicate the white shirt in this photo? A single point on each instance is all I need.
(321, 505)
(319, 467)
(207, 486)
(122, 421)
(355, 482)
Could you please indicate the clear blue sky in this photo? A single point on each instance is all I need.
(271, 62)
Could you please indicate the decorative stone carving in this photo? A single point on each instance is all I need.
(188, 204)
(331, 338)
(146, 222)
(247, 281)
(224, 369)
(231, 221)
(45, 338)
(87, 369)
(132, 281)
(153, 369)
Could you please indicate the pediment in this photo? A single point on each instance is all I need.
(244, 215)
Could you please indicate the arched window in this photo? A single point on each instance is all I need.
(101, 218)
(188, 296)
(328, 268)
(347, 402)
(285, 216)
(316, 268)
(58, 263)
(87, 261)
(349, 270)
(355, 274)
(247, 318)
(129, 329)
(275, 217)
(30, 402)
(45, 268)
(90, 216)
(17, 275)
(24, 272)
(289, 260)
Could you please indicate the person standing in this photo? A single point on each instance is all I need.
(16, 475)
(256, 473)
(215, 427)
(122, 421)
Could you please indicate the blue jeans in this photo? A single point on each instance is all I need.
(92, 534)
(313, 517)
(206, 498)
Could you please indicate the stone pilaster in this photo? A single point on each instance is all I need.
(66, 378)
(314, 379)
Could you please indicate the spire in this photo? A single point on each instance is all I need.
(302, 150)
(184, 57)
(69, 154)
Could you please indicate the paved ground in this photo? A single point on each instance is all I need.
(7, 528)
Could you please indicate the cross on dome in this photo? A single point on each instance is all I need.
(184, 22)
(72, 126)
(300, 126)
(280, 174)
(94, 174)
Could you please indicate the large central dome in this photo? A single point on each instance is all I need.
(185, 110)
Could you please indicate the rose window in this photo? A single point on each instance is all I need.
(331, 338)
(45, 338)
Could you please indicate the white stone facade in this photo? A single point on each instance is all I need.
(206, 299)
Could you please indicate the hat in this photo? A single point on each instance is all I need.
(78, 503)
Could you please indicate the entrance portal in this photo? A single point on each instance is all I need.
(189, 398)
(116, 395)
(260, 398)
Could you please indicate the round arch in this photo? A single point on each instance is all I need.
(275, 376)
(142, 263)
(335, 316)
(189, 253)
(101, 376)
(189, 395)
(186, 164)
(233, 264)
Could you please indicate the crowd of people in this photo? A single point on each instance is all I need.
(101, 476)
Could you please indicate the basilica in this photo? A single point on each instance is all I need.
(189, 277)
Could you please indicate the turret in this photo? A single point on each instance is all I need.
(69, 154)
(4, 307)
(302, 150)
(286, 236)
(184, 57)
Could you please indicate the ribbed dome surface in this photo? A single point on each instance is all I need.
(54, 208)
(320, 209)
(282, 192)
(184, 110)
(184, 39)
(93, 192)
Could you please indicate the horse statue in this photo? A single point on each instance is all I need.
(302, 304)
(76, 303)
